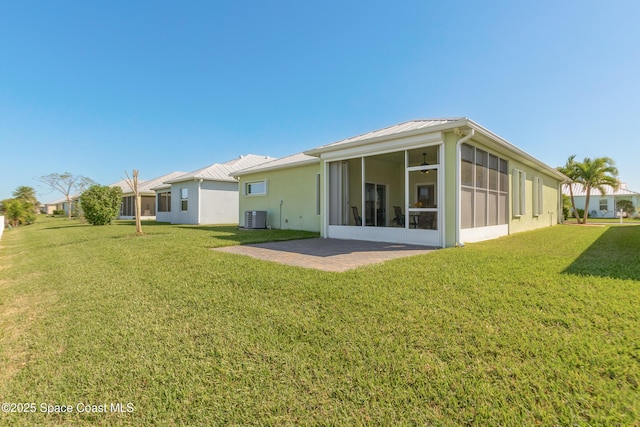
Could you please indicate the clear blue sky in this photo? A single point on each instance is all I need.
(97, 88)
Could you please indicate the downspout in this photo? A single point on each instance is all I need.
(560, 204)
(458, 183)
(199, 198)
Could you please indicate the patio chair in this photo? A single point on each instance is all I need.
(356, 216)
(427, 221)
(399, 219)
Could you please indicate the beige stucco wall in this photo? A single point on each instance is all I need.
(295, 187)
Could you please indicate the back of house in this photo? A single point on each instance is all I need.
(434, 182)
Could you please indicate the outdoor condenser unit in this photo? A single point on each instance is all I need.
(255, 219)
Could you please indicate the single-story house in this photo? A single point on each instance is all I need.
(435, 182)
(147, 197)
(59, 204)
(63, 205)
(603, 205)
(205, 196)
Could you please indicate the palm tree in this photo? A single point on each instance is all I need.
(570, 171)
(28, 195)
(596, 174)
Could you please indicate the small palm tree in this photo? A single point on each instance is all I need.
(596, 174)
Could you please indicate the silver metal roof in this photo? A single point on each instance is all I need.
(222, 171)
(409, 126)
(283, 162)
(145, 186)
(580, 190)
(415, 127)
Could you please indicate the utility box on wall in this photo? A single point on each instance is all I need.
(255, 219)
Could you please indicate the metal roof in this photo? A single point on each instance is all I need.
(409, 126)
(222, 171)
(145, 186)
(281, 163)
(417, 127)
(580, 190)
(60, 200)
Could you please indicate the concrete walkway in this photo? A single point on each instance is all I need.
(327, 254)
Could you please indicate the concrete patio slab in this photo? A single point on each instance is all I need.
(327, 254)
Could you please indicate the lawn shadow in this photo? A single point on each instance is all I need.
(326, 248)
(236, 235)
(616, 254)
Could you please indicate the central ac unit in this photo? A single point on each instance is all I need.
(255, 219)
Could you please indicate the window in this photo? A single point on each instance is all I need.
(184, 199)
(604, 205)
(256, 188)
(483, 188)
(519, 193)
(537, 196)
(164, 202)
(318, 194)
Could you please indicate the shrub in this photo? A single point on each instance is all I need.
(626, 206)
(100, 204)
(58, 212)
(18, 212)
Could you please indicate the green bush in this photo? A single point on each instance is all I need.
(626, 206)
(100, 204)
(58, 212)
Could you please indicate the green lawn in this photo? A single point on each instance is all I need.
(539, 328)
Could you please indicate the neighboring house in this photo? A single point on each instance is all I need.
(147, 197)
(437, 182)
(603, 205)
(60, 204)
(54, 205)
(205, 196)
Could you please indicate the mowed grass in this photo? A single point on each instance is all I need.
(539, 328)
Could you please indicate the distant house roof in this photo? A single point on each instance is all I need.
(145, 186)
(297, 159)
(579, 190)
(58, 201)
(222, 171)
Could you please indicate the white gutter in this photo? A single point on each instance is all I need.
(458, 182)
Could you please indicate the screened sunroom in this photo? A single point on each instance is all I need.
(395, 196)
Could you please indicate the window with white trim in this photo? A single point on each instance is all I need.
(318, 194)
(604, 204)
(538, 203)
(519, 192)
(256, 188)
(184, 199)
